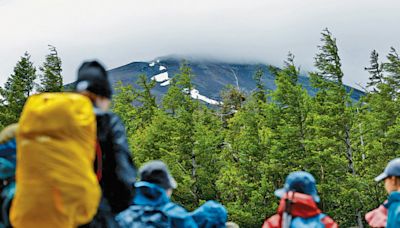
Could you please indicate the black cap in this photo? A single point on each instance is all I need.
(92, 77)
(156, 172)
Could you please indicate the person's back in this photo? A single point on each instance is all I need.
(118, 173)
(114, 167)
(304, 213)
(151, 206)
(298, 205)
(56, 185)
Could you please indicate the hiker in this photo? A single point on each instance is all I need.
(298, 204)
(391, 178)
(152, 206)
(113, 166)
(7, 172)
(56, 185)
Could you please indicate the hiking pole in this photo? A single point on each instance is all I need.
(287, 215)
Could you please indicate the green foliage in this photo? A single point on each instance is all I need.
(244, 185)
(178, 97)
(16, 90)
(377, 130)
(375, 70)
(51, 79)
(240, 152)
(289, 112)
(232, 100)
(327, 60)
(260, 92)
(331, 136)
(123, 106)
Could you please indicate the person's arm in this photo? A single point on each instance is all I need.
(329, 223)
(377, 217)
(124, 167)
(179, 217)
(273, 222)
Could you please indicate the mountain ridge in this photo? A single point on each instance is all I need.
(211, 75)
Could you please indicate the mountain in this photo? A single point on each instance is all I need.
(210, 77)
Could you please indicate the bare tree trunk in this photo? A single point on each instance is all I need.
(349, 155)
(349, 151)
(360, 220)
(361, 139)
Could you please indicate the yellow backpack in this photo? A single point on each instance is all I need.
(56, 184)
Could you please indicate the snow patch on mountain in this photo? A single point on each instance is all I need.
(164, 80)
(160, 77)
(195, 94)
(166, 83)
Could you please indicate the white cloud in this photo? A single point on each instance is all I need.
(120, 31)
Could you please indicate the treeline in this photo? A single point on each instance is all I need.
(26, 80)
(241, 152)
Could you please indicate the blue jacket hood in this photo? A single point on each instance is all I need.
(149, 194)
(210, 215)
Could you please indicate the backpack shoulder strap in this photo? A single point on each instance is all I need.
(99, 161)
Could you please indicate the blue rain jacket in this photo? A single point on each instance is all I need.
(153, 208)
(393, 206)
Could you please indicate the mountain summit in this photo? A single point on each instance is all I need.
(211, 76)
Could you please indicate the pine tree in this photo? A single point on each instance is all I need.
(170, 136)
(185, 128)
(260, 92)
(17, 89)
(375, 70)
(145, 99)
(288, 116)
(208, 141)
(232, 101)
(244, 183)
(123, 106)
(331, 122)
(376, 130)
(392, 67)
(179, 92)
(241, 153)
(51, 79)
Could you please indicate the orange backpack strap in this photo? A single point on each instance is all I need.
(99, 159)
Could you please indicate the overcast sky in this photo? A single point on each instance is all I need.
(121, 31)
